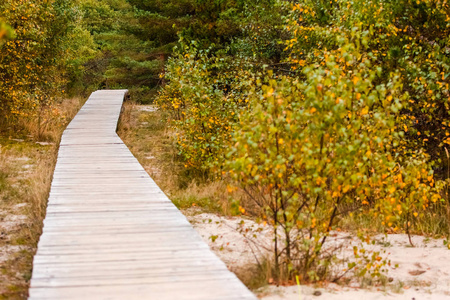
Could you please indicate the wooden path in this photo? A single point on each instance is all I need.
(110, 232)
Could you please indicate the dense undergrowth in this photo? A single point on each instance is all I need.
(354, 124)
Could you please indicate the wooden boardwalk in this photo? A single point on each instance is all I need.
(110, 232)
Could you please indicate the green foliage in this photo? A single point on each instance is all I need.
(105, 22)
(206, 21)
(6, 32)
(229, 27)
(206, 88)
(136, 38)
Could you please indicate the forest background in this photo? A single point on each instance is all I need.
(309, 113)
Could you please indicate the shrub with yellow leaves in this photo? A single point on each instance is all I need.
(407, 37)
(203, 98)
(313, 150)
(32, 56)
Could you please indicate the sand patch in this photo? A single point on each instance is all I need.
(11, 222)
(6, 252)
(423, 271)
(147, 108)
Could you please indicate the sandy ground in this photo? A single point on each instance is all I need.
(423, 272)
(147, 108)
(8, 223)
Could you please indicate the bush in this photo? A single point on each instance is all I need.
(312, 151)
(203, 96)
(34, 60)
(406, 37)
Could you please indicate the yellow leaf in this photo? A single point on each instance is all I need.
(365, 111)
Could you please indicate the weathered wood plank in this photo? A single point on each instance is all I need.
(110, 232)
(208, 289)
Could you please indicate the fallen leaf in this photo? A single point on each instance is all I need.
(416, 272)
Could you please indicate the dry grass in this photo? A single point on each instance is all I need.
(26, 169)
(27, 160)
(148, 139)
(48, 124)
(256, 276)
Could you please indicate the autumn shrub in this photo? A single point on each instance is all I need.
(350, 129)
(311, 151)
(408, 37)
(203, 97)
(41, 42)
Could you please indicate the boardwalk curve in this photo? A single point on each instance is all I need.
(110, 232)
